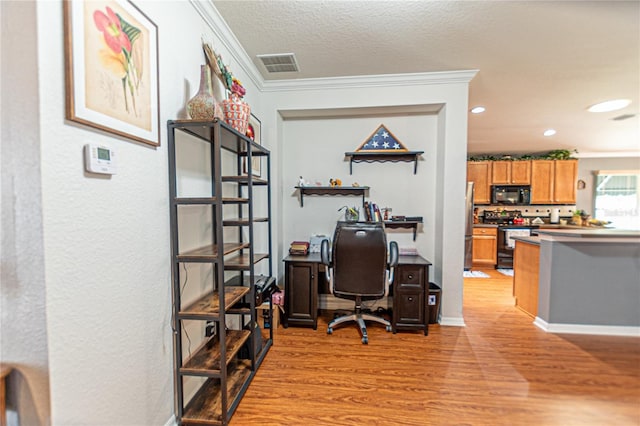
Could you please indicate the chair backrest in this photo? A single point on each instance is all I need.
(359, 259)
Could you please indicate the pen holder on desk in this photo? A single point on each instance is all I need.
(351, 214)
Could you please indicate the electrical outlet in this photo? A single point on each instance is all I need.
(208, 330)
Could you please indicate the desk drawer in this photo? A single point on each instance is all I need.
(409, 274)
(485, 231)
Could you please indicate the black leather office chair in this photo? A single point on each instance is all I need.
(358, 269)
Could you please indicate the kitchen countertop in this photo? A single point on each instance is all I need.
(589, 232)
(582, 234)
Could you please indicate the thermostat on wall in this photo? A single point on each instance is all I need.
(99, 159)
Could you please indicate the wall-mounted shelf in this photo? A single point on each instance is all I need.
(381, 157)
(403, 224)
(331, 190)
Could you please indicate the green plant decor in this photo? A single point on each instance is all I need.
(557, 154)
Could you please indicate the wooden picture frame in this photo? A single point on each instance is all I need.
(256, 162)
(111, 68)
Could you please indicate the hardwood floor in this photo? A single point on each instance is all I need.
(498, 370)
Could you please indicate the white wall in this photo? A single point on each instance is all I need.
(315, 148)
(97, 249)
(23, 334)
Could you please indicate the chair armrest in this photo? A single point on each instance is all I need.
(393, 254)
(324, 252)
(393, 262)
(325, 258)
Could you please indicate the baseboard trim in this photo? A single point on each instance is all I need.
(452, 321)
(602, 330)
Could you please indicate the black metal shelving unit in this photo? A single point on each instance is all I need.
(229, 345)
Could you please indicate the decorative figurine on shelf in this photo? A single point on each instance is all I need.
(385, 211)
(301, 182)
(356, 185)
(335, 182)
(236, 112)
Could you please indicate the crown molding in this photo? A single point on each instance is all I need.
(225, 37)
(612, 154)
(408, 79)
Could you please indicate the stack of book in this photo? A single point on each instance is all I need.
(299, 248)
(372, 212)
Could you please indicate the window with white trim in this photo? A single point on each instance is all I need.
(617, 198)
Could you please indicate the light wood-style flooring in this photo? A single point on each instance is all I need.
(498, 370)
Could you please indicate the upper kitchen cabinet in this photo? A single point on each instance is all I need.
(511, 172)
(553, 181)
(479, 172)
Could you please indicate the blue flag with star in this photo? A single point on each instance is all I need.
(382, 140)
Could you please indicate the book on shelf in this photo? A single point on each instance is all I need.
(372, 212)
(299, 248)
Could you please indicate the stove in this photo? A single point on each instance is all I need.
(506, 229)
(501, 217)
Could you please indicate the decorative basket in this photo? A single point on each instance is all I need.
(236, 113)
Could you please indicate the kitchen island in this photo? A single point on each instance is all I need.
(580, 280)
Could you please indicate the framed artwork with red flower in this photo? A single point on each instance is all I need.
(111, 68)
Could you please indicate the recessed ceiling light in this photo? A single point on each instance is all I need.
(477, 110)
(610, 105)
(549, 132)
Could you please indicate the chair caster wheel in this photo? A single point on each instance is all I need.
(388, 328)
(365, 340)
(329, 330)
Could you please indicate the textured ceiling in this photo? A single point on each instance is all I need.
(541, 64)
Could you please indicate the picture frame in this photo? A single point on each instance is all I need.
(256, 162)
(111, 77)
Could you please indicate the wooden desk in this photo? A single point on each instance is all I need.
(304, 279)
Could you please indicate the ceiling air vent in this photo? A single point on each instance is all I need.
(281, 62)
(623, 117)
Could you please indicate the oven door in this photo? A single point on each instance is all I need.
(506, 244)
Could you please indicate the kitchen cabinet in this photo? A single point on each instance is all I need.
(485, 246)
(511, 172)
(553, 181)
(526, 261)
(479, 172)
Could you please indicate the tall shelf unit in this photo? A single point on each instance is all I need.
(215, 229)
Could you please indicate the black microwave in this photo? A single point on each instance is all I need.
(513, 195)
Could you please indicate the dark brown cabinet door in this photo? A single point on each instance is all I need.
(410, 307)
(410, 298)
(301, 288)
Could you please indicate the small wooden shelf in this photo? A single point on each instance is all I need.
(210, 200)
(243, 221)
(244, 180)
(332, 190)
(210, 252)
(208, 306)
(241, 262)
(205, 407)
(206, 360)
(381, 157)
(409, 224)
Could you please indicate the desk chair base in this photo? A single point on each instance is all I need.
(359, 317)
